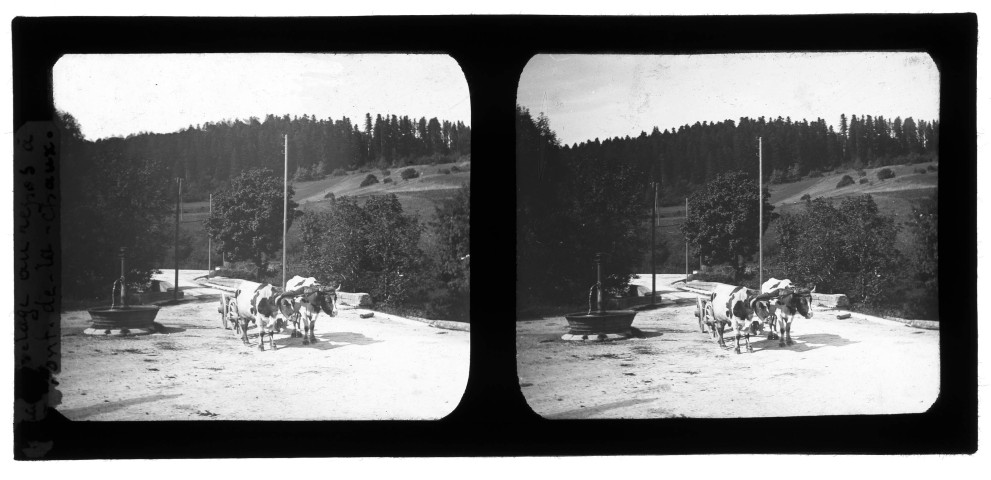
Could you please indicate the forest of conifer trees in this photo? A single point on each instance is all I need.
(693, 154)
(208, 155)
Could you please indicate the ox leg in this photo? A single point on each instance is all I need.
(749, 348)
(718, 329)
(737, 332)
(243, 322)
(787, 334)
(313, 329)
(783, 329)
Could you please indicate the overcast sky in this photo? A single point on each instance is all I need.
(116, 95)
(589, 96)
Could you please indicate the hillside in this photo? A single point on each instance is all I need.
(894, 196)
(418, 196)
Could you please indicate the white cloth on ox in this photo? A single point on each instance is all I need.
(297, 283)
(774, 284)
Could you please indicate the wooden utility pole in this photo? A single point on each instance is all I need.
(175, 289)
(686, 241)
(209, 247)
(760, 208)
(653, 257)
(285, 208)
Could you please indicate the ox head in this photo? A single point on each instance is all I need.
(322, 299)
(798, 301)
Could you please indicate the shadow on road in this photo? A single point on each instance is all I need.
(328, 341)
(804, 343)
(83, 412)
(590, 411)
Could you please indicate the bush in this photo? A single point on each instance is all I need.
(455, 169)
(885, 173)
(862, 173)
(920, 170)
(444, 171)
(387, 180)
(371, 248)
(777, 176)
(846, 180)
(369, 180)
(386, 172)
(815, 174)
(931, 168)
(806, 197)
(409, 173)
(863, 181)
(339, 172)
(847, 249)
(330, 195)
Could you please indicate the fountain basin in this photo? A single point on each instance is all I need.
(130, 320)
(599, 325)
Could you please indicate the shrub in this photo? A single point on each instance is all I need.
(815, 174)
(455, 169)
(444, 171)
(931, 168)
(846, 180)
(806, 197)
(386, 172)
(387, 180)
(369, 180)
(339, 172)
(847, 249)
(364, 170)
(885, 173)
(777, 176)
(863, 181)
(330, 195)
(409, 173)
(920, 170)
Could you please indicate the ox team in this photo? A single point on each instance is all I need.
(271, 310)
(777, 304)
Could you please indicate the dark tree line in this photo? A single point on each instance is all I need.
(208, 156)
(573, 201)
(693, 154)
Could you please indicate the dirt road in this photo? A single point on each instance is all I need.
(835, 367)
(359, 369)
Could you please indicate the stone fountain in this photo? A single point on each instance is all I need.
(122, 319)
(598, 323)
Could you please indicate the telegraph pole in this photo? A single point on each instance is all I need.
(285, 208)
(653, 258)
(175, 289)
(760, 208)
(209, 248)
(686, 241)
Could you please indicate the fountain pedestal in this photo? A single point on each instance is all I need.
(122, 319)
(599, 323)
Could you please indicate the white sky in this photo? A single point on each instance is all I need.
(116, 95)
(589, 96)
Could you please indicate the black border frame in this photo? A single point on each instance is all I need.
(493, 418)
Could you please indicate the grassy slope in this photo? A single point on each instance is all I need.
(418, 196)
(895, 196)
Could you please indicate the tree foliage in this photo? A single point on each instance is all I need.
(925, 226)
(849, 249)
(723, 220)
(247, 217)
(111, 196)
(367, 248)
(453, 256)
(207, 156)
(570, 207)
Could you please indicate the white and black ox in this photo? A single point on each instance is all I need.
(778, 304)
(730, 305)
(256, 303)
(303, 301)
